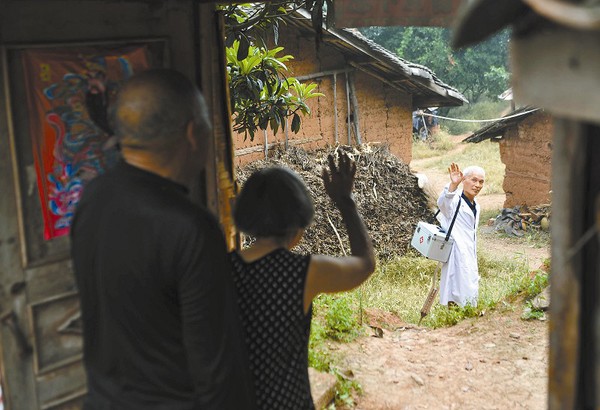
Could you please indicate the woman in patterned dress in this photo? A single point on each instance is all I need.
(276, 286)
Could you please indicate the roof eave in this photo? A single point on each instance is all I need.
(423, 83)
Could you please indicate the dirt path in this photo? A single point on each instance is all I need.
(492, 362)
(496, 361)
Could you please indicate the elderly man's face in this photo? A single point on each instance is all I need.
(472, 185)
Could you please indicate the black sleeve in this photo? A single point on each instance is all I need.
(212, 329)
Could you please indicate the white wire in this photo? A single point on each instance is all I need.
(491, 120)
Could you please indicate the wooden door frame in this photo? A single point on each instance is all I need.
(209, 63)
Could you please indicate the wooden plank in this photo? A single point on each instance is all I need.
(567, 164)
(335, 108)
(355, 109)
(321, 74)
(558, 69)
(220, 178)
(587, 254)
(348, 107)
(19, 388)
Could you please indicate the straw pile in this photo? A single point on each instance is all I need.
(386, 192)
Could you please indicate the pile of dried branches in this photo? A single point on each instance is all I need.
(385, 191)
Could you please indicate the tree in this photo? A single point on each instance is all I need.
(261, 95)
(476, 71)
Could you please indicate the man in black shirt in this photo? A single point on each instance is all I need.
(161, 327)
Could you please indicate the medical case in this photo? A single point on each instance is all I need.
(431, 242)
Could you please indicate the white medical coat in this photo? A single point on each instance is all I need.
(460, 275)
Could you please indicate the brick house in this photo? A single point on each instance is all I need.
(525, 138)
(370, 93)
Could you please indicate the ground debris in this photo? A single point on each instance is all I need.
(386, 192)
(517, 220)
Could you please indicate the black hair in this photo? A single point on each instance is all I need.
(164, 101)
(273, 202)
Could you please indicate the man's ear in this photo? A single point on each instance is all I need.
(190, 135)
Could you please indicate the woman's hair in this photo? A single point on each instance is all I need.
(274, 202)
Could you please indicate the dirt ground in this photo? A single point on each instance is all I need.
(496, 361)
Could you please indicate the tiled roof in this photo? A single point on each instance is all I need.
(365, 55)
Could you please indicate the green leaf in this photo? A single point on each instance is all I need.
(276, 33)
(274, 123)
(244, 47)
(229, 40)
(295, 123)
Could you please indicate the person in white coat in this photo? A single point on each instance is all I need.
(460, 275)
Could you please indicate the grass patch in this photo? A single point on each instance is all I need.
(335, 317)
(538, 283)
(401, 285)
(533, 238)
(439, 144)
(485, 154)
(487, 214)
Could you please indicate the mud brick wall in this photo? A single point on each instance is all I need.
(385, 114)
(526, 150)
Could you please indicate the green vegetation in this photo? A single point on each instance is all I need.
(483, 110)
(438, 144)
(410, 277)
(261, 95)
(533, 238)
(401, 285)
(537, 284)
(477, 71)
(485, 154)
(335, 318)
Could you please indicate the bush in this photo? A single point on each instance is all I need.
(341, 319)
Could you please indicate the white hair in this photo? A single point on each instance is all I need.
(474, 169)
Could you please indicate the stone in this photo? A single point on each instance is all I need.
(322, 387)
(542, 301)
(417, 379)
